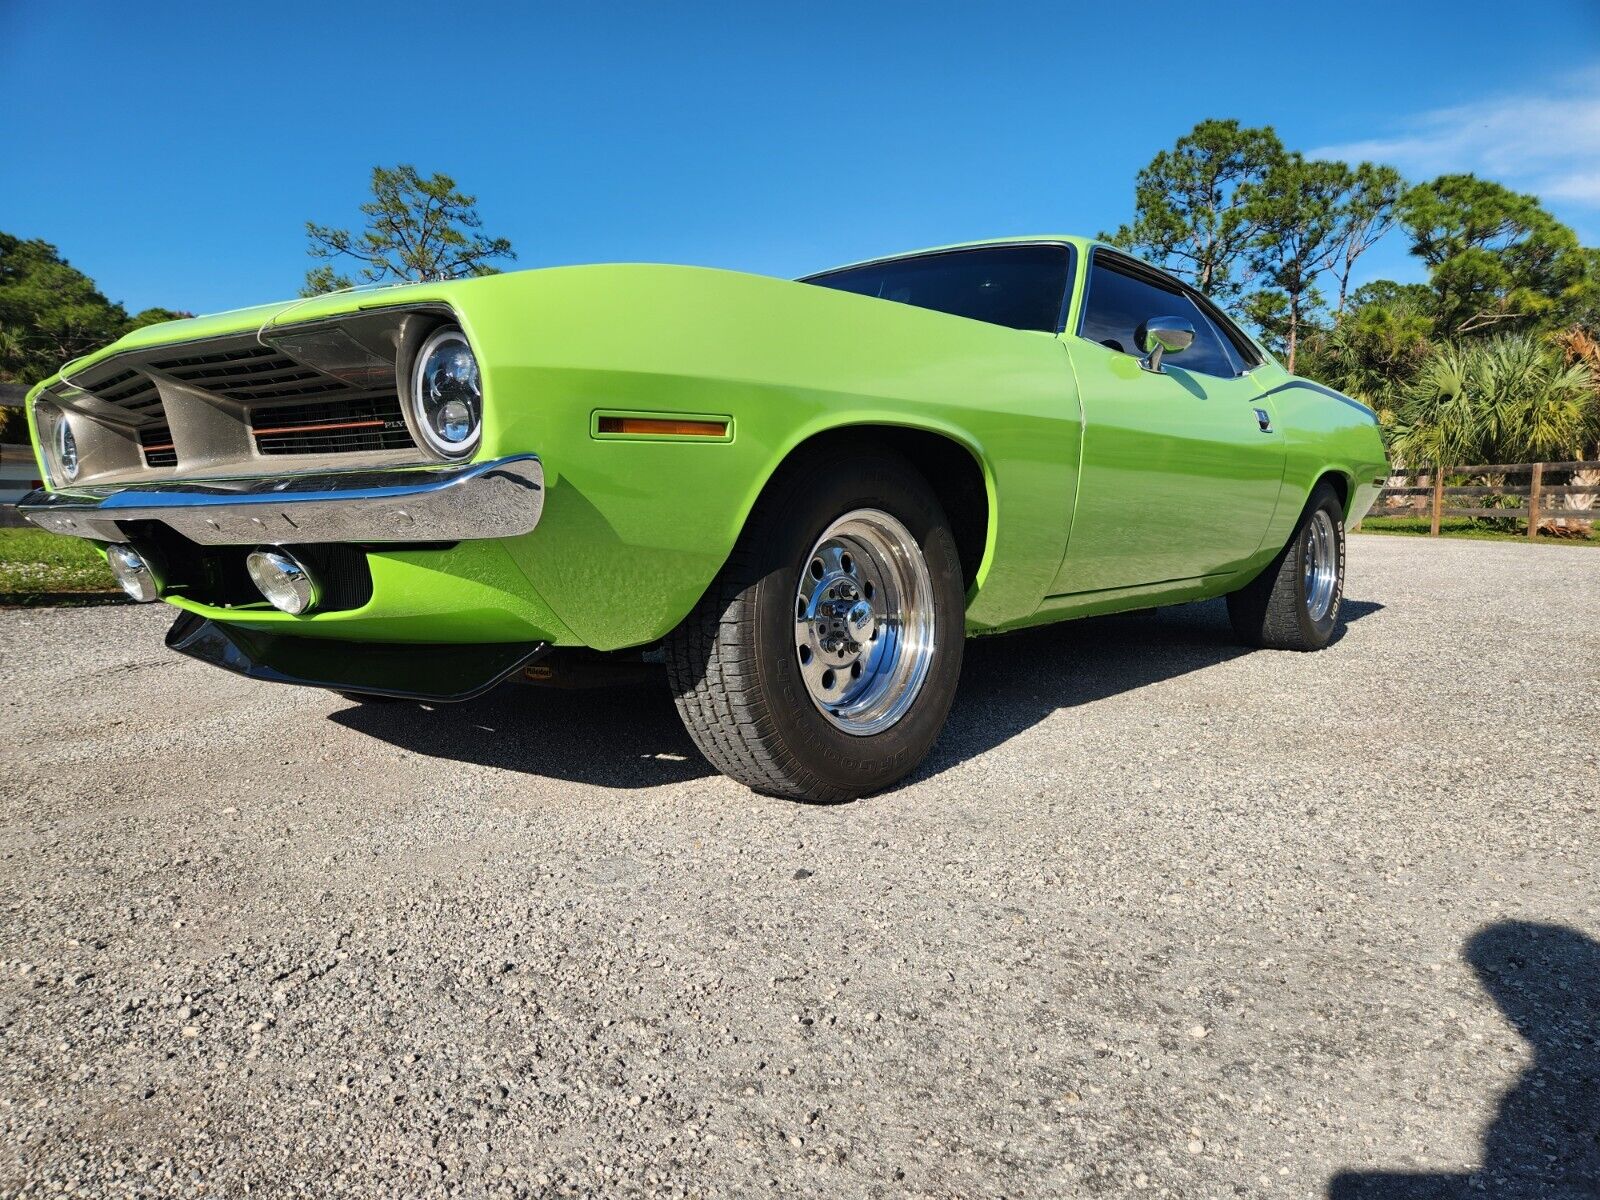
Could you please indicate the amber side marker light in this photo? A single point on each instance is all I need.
(661, 427)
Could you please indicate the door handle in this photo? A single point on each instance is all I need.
(1264, 419)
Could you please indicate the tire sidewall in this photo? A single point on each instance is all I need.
(1319, 633)
(816, 499)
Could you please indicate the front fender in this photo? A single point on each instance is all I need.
(635, 530)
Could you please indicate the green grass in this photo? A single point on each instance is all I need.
(39, 567)
(1466, 527)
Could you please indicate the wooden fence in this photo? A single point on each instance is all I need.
(1539, 494)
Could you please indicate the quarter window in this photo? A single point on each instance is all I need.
(1120, 300)
(1020, 287)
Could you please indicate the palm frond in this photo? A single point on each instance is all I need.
(1508, 399)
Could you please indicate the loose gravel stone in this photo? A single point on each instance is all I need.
(1158, 915)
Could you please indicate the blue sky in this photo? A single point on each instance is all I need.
(174, 152)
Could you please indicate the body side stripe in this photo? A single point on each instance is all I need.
(1326, 391)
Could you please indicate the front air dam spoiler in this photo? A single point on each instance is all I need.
(406, 671)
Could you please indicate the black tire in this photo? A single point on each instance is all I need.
(733, 663)
(1273, 611)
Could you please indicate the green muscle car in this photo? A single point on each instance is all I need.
(803, 496)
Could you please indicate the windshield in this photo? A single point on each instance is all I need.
(1020, 287)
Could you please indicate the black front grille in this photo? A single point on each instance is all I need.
(252, 373)
(342, 572)
(344, 427)
(129, 390)
(156, 442)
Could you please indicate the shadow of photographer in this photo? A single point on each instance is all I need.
(1545, 1138)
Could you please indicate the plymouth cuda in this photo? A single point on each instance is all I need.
(801, 496)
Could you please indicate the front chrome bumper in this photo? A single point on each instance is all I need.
(496, 499)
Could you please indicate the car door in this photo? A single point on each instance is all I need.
(1180, 471)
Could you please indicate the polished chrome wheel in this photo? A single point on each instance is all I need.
(823, 661)
(1293, 604)
(864, 621)
(1321, 564)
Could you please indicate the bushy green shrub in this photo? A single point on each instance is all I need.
(1508, 399)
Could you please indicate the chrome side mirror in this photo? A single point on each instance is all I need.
(1160, 336)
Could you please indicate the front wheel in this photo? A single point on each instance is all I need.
(822, 662)
(1294, 603)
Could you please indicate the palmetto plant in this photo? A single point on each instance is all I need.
(1581, 347)
(1506, 400)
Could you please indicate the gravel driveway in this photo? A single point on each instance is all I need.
(1159, 915)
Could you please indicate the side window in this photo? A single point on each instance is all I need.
(1018, 286)
(1119, 302)
(1236, 364)
(1241, 348)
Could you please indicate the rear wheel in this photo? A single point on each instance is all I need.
(822, 662)
(1294, 603)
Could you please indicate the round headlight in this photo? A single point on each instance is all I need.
(66, 449)
(283, 580)
(447, 395)
(60, 446)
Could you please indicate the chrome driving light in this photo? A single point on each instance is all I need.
(447, 395)
(284, 580)
(136, 574)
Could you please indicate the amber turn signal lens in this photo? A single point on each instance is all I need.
(662, 426)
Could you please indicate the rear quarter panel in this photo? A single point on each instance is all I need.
(1325, 432)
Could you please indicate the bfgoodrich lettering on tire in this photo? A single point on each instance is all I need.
(822, 662)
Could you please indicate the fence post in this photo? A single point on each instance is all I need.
(1438, 498)
(1534, 488)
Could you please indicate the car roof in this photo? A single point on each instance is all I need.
(1033, 239)
(1082, 244)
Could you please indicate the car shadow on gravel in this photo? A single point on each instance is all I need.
(621, 737)
(1011, 683)
(1545, 1138)
(630, 736)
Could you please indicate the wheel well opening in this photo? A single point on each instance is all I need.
(1340, 485)
(947, 465)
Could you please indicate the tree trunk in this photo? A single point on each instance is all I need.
(1294, 331)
